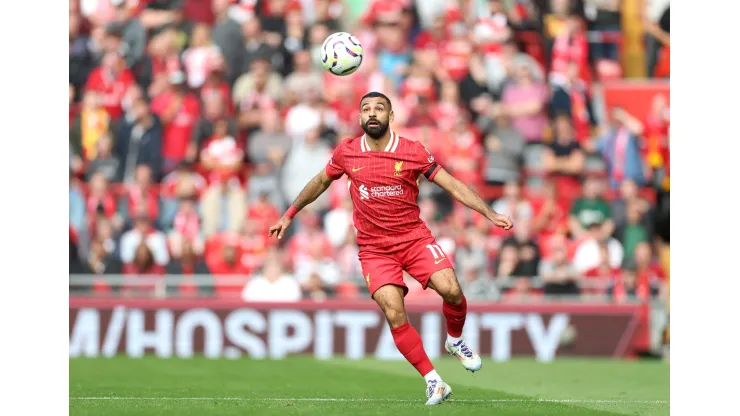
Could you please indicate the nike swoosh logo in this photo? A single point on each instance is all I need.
(356, 169)
(439, 261)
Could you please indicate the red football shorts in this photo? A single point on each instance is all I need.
(420, 258)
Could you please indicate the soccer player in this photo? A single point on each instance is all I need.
(383, 172)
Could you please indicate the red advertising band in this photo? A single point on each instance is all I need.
(290, 213)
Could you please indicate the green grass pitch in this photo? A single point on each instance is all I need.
(305, 386)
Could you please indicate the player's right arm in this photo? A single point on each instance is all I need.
(315, 187)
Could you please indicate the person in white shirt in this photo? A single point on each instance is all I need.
(272, 285)
(144, 231)
(588, 253)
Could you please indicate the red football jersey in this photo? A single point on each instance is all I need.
(384, 186)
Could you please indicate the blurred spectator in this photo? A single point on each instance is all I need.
(314, 289)
(81, 59)
(178, 110)
(634, 231)
(501, 68)
(88, 127)
(162, 61)
(272, 285)
(186, 227)
(110, 80)
(255, 92)
(198, 58)
(629, 196)
(139, 143)
(527, 248)
(183, 183)
(262, 213)
(227, 36)
(310, 114)
(269, 140)
(308, 234)
(158, 13)
(317, 261)
(338, 222)
(478, 285)
(555, 17)
(224, 202)
(141, 197)
(649, 270)
(507, 263)
(563, 158)
(304, 161)
(76, 205)
(604, 16)
(551, 212)
(139, 271)
(254, 245)
(605, 269)
(512, 203)
(259, 45)
(570, 98)
(109, 237)
(560, 276)
(216, 87)
(472, 255)
(524, 101)
(130, 30)
(627, 288)
(590, 209)
(491, 29)
(455, 52)
(656, 21)
(214, 111)
(223, 257)
(570, 50)
(656, 143)
(186, 264)
(504, 149)
(76, 265)
(587, 254)
(295, 39)
(303, 79)
(144, 234)
(101, 202)
(100, 261)
(104, 161)
(620, 149)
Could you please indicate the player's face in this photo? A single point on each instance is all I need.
(375, 116)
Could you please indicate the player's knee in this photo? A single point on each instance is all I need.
(395, 317)
(453, 294)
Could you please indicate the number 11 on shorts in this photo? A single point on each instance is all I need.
(437, 252)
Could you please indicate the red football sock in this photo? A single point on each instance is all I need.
(409, 344)
(455, 316)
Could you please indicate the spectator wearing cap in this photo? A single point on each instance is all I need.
(178, 110)
(139, 143)
(111, 80)
(126, 26)
(144, 233)
(590, 209)
(619, 146)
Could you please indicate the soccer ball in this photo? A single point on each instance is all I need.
(341, 53)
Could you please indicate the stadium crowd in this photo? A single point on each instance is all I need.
(195, 123)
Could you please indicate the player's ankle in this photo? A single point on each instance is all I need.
(432, 375)
(453, 340)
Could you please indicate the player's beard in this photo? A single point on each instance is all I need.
(376, 131)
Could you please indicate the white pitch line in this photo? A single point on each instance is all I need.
(359, 400)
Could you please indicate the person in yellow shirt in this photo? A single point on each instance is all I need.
(92, 123)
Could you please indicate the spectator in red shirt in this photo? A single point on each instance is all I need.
(216, 86)
(225, 265)
(101, 202)
(111, 80)
(649, 270)
(571, 97)
(570, 46)
(198, 58)
(178, 110)
(602, 275)
(224, 202)
(263, 213)
(186, 227)
(141, 196)
(182, 183)
(551, 212)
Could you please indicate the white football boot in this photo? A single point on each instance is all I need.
(469, 358)
(437, 392)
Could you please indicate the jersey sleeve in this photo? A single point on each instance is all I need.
(427, 164)
(335, 167)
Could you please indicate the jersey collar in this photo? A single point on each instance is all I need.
(391, 147)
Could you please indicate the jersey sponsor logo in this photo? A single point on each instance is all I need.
(399, 164)
(364, 194)
(386, 191)
(356, 169)
(439, 260)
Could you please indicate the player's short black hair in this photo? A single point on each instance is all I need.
(375, 94)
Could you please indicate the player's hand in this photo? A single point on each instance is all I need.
(502, 221)
(280, 227)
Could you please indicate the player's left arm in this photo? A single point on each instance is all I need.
(467, 196)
